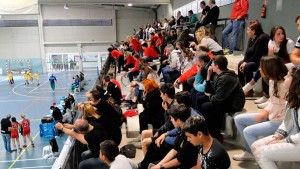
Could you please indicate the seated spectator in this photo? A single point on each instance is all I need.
(165, 24)
(109, 153)
(129, 61)
(135, 71)
(205, 38)
(199, 83)
(183, 35)
(172, 22)
(179, 19)
(147, 71)
(295, 56)
(184, 154)
(137, 47)
(257, 47)
(174, 63)
(188, 60)
(112, 89)
(76, 83)
(279, 45)
(192, 18)
(212, 153)
(223, 94)
(283, 145)
(189, 75)
(167, 93)
(112, 79)
(251, 126)
(149, 53)
(89, 135)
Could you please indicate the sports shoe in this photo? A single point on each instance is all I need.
(262, 105)
(248, 87)
(32, 144)
(24, 146)
(261, 100)
(226, 51)
(243, 157)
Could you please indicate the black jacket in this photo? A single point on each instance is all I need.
(257, 48)
(114, 92)
(227, 91)
(106, 109)
(212, 16)
(56, 114)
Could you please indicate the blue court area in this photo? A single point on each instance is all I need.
(34, 101)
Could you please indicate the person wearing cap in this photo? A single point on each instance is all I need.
(26, 130)
(5, 130)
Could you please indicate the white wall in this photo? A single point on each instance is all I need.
(127, 20)
(164, 11)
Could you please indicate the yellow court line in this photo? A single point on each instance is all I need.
(22, 152)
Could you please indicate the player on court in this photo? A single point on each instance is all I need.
(26, 130)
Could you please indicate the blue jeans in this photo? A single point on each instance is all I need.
(249, 68)
(233, 26)
(250, 130)
(6, 140)
(166, 71)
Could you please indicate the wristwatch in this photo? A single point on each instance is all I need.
(161, 167)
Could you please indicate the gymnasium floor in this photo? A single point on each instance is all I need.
(34, 102)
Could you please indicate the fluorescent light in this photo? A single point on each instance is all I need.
(129, 4)
(66, 6)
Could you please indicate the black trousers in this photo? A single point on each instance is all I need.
(120, 63)
(146, 119)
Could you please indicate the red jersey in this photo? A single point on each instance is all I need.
(129, 60)
(26, 126)
(136, 45)
(240, 9)
(136, 65)
(150, 52)
(116, 54)
(15, 131)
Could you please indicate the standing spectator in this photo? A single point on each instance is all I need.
(112, 90)
(57, 116)
(295, 56)
(118, 56)
(89, 135)
(15, 126)
(52, 81)
(237, 20)
(6, 132)
(25, 123)
(211, 19)
(137, 47)
(205, 8)
(109, 153)
(212, 153)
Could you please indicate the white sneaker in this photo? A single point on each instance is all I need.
(261, 100)
(248, 87)
(262, 105)
(243, 157)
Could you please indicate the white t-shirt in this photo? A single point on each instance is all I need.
(290, 45)
(121, 162)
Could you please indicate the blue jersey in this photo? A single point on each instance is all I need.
(52, 79)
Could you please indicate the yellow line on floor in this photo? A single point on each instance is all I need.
(22, 152)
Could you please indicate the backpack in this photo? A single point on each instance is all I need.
(128, 150)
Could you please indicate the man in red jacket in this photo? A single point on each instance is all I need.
(118, 56)
(237, 20)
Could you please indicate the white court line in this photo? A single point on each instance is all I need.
(50, 166)
(13, 90)
(33, 159)
(51, 91)
(38, 86)
(4, 101)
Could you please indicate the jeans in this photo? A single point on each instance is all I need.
(249, 68)
(6, 140)
(266, 155)
(250, 130)
(233, 26)
(166, 73)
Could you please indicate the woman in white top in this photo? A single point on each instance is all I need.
(187, 62)
(279, 45)
(254, 125)
(284, 144)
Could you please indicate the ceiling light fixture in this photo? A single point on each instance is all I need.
(129, 4)
(66, 6)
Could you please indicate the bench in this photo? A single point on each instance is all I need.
(133, 124)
